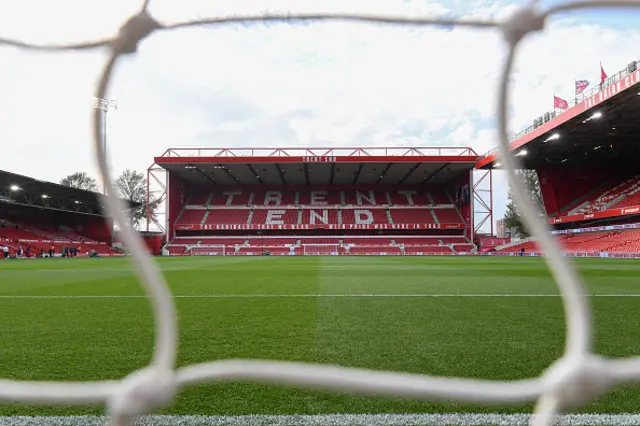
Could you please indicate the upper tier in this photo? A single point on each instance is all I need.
(334, 209)
(319, 198)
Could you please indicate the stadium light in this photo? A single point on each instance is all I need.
(45, 196)
(190, 167)
(104, 105)
(552, 138)
(594, 116)
(14, 188)
(522, 153)
(78, 202)
(496, 165)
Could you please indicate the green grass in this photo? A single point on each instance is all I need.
(490, 337)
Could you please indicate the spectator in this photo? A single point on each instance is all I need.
(5, 251)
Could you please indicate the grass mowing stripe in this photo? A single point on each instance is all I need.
(446, 419)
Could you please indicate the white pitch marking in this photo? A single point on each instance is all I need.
(275, 296)
(239, 268)
(447, 419)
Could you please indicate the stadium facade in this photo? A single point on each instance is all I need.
(319, 201)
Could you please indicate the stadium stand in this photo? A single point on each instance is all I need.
(609, 197)
(34, 233)
(314, 207)
(585, 158)
(40, 217)
(619, 241)
(235, 203)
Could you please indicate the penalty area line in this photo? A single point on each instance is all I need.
(447, 419)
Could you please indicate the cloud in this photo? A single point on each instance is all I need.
(331, 84)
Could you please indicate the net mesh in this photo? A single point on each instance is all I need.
(576, 378)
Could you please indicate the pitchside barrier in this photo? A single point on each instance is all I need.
(576, 378)
(498, 254)
(566, 254)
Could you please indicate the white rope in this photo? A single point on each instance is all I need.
(575, 379)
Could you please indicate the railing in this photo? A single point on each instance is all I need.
(574, 102)
(597, 229)
(325, 154)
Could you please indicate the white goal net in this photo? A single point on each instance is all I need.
(207, 250)
(575, 379)
(320, 249)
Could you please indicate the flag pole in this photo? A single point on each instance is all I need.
(601, 81)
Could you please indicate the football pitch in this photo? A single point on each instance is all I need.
(482, 317)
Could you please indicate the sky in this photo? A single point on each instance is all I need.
(279, 85)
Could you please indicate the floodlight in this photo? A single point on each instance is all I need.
(552, 137)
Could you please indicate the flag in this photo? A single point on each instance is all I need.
(603, 75)
(581, 85)
(560, 103)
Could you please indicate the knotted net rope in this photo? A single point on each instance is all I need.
(576, 378)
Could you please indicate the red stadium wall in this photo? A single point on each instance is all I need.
(176, 199)
(464, 204)
(565, 188)
(96, 228)
(154, 243)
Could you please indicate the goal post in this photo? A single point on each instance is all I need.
(207, 250)
(320, 249)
